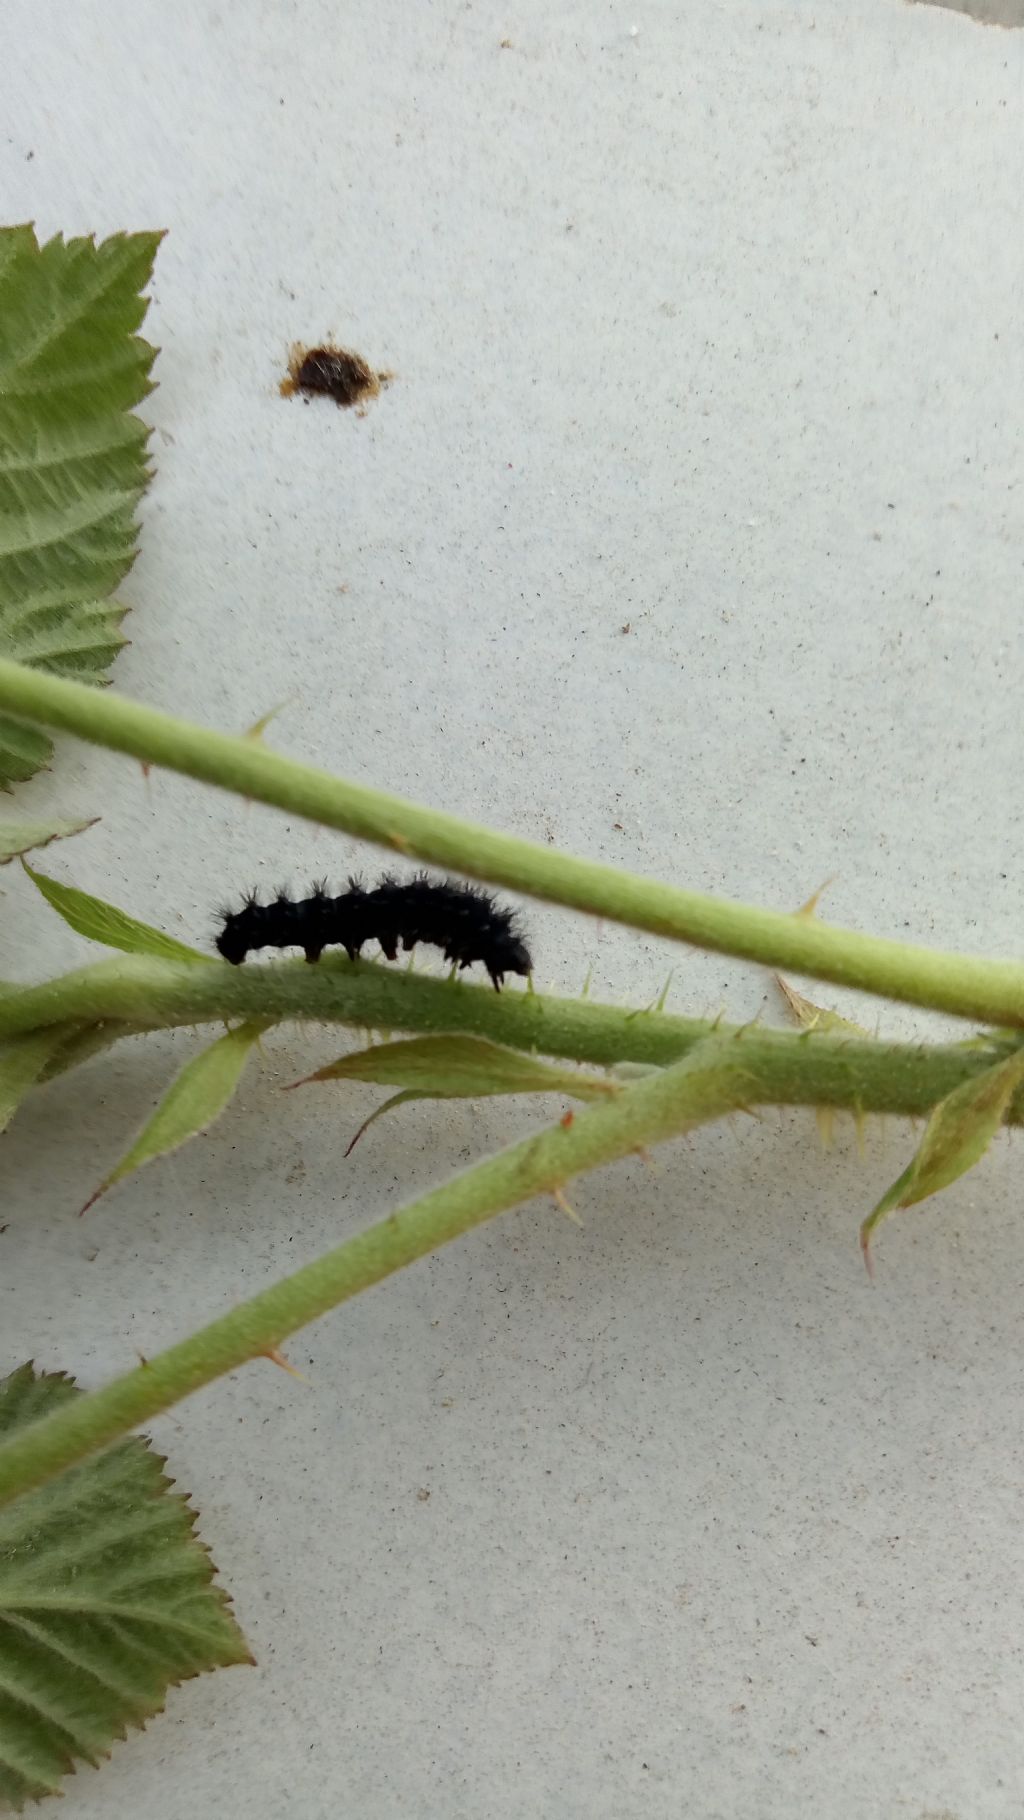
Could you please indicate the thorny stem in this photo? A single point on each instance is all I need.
(117, 998)
(703, 1071)
(722, 1073)
(151, 991)
(712, 1080)
(969, 986)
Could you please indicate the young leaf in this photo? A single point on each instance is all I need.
(454, 1067)
(958, 1133)
(192, 1103)
(21, 837)
(72, 457)
(459, 1067)
(106, 1601)
(104, 923)
(22, 1061)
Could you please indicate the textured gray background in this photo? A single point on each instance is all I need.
(705, 320)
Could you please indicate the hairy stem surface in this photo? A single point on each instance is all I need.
(133, 994)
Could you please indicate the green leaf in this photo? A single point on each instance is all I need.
(21, 837)
(460, 1067)
(958, 1133)
(961, 1128)
(22, 1061)
(192, 1103)
(72, 456)
(102, 922)
(454, 1068)
(106, 1601)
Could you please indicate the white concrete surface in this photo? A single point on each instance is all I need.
(707, 320)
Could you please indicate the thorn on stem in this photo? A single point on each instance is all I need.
(811, 906)
(259, 727)
(563, 1206)
(278, 1358)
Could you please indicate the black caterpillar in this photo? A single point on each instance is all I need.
(466, 923)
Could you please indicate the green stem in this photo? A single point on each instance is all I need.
(714, 1079)
(133, 993)
(966, 985)
(145, 990)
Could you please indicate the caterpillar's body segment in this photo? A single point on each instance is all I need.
(465, 922)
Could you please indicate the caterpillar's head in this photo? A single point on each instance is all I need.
(231, 943)
(511, 955)
(517, 957)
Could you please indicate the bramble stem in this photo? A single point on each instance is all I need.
(703, 1071)
(134, 993)
(991, 991)
(711, 1081)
